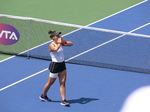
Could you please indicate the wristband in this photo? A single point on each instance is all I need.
(65, 42)
(59, 43)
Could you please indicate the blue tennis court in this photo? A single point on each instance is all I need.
(90, 89)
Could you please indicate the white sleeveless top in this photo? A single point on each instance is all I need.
(57, 56)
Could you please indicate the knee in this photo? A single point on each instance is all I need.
(49, 83)
(63, 83)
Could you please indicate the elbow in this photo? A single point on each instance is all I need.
(71, 44)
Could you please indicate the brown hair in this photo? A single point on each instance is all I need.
(49, 32)
(53, 33)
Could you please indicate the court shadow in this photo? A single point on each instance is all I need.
(82, 100)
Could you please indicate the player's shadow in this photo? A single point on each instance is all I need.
(82, 100)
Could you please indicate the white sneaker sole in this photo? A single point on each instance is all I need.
(65, 104)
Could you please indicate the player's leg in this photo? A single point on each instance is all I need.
(51, 80)
(62, 80)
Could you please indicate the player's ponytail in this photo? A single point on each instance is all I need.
(49, 32)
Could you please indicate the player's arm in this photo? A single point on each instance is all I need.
(53, 47)
(66, 43)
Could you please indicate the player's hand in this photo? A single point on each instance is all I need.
(59, 40)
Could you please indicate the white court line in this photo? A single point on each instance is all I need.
(7, 59)
(23, 79)
(107, 42)
(73, 57)
(118, 12)
(86, 25)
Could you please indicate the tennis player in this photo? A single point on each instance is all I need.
(57, 67)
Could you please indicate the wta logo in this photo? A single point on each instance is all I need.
(8, 34)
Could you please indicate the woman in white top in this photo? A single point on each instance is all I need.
(57, 66)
